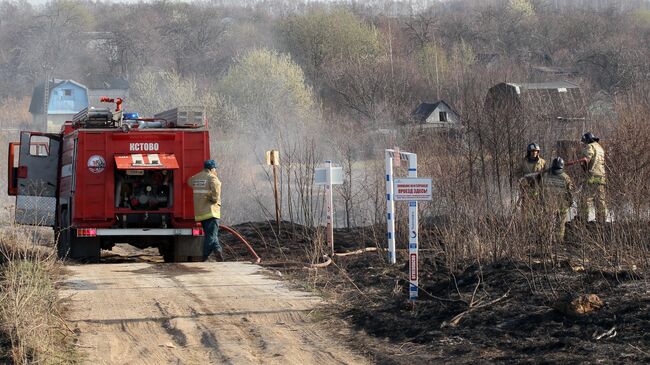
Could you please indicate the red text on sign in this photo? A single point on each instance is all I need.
(414, 266)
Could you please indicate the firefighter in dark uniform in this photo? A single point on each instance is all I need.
(557, 196)
(206, 187)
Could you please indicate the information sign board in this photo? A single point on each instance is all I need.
(412, 189)
(320, 175)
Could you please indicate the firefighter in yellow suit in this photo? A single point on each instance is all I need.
(533, 162)
(557, 189)
(532, 166)
(206, 187)
(593, 190)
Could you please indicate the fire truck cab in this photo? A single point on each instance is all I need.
(113, 177)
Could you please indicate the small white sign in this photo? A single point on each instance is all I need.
(273, 157)
(320, 175)
(412, 189)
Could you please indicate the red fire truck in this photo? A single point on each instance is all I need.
(112, 177)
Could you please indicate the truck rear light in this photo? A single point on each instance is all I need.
(197, 231)
(86, 232)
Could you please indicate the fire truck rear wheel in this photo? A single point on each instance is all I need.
(183, 249)
(62, 243)
(63, 236)
(167, 253)
(68, 245)
(87, 249)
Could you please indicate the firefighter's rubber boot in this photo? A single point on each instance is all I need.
(218, 255)
(215, 256)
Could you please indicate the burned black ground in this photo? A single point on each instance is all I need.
(511, 307)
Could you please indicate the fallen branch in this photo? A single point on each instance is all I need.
(457, 318)
(607, 334)
(59, 317)
(639, 349)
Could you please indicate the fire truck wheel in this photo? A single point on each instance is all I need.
(63, 237)
(62, 243)
(68, 245)
(86, 249)
(167, 253)
(183, 249)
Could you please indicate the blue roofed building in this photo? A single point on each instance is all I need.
(64, 98)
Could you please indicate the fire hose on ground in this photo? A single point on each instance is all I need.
(328, 260)
(243, 240)
(321, 265)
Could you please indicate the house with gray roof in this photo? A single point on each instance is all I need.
(436, 114)
(544, 112)
(55, 102)
(556, 100)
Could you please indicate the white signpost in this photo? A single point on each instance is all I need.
(328, 176)
(410, 189)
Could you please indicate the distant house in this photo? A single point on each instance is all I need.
(544, 112)
(105, 85)
(557, 100)
(55, 102)
(436, 114)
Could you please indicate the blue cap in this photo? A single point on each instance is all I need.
(209, 164)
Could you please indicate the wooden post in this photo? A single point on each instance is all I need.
(273, 159)
(275, 194)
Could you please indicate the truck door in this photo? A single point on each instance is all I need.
(36, 177)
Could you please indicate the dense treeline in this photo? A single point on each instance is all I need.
(370, 61)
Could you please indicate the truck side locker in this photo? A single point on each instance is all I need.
(37, 178)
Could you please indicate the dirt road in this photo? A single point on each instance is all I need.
(194, 313)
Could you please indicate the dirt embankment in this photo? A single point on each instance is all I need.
(195, 313)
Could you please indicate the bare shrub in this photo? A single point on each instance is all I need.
(29, 303)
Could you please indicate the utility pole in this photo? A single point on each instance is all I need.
(46, 96)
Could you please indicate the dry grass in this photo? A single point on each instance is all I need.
(30, 324)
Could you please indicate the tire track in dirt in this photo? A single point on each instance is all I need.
(195, 313)
(249, 335)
